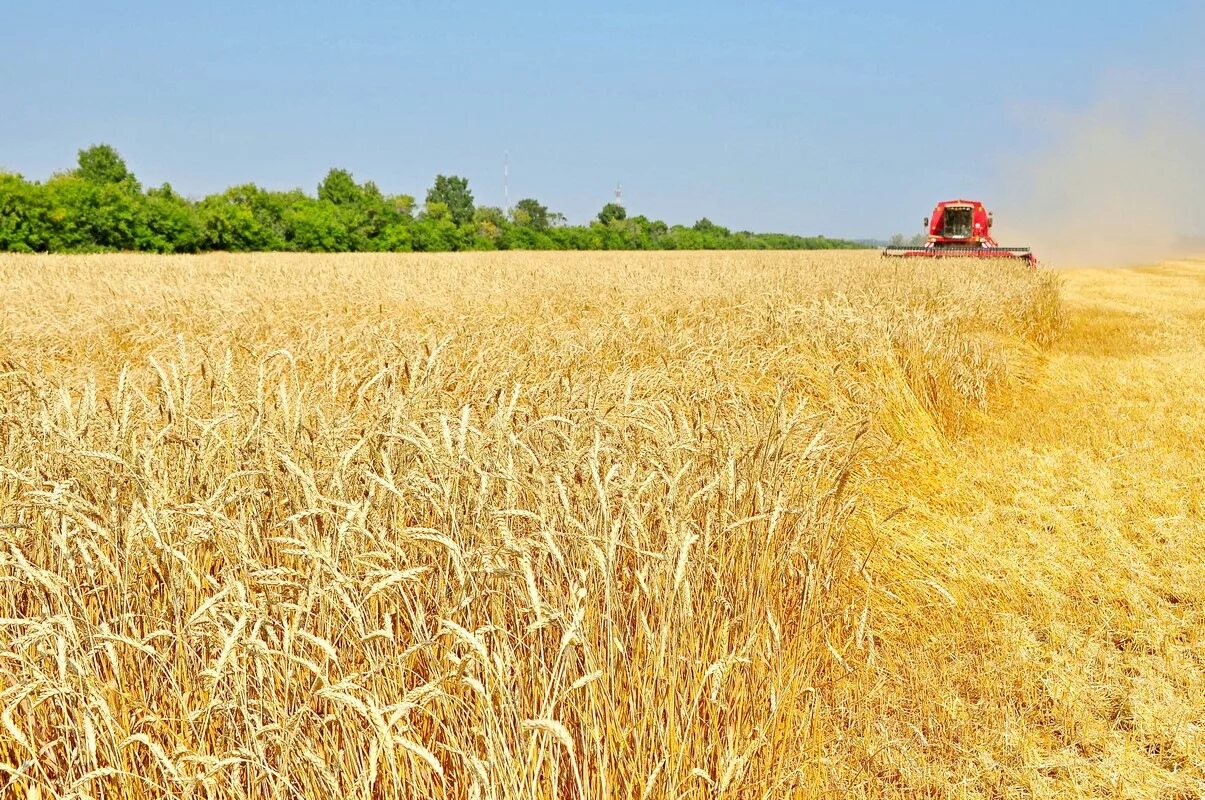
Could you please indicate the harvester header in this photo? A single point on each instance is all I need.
(960, 229)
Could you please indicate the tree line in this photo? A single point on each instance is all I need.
(100, 206)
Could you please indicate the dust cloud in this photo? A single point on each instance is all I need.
(1122, 183)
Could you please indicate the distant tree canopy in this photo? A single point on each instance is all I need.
(454, 193)
(529, 212)
(100, 206)
(339, 188)
(612, 212)
(101, 164)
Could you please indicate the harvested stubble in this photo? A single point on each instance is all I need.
(505, 525)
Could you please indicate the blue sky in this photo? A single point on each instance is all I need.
(843, 119)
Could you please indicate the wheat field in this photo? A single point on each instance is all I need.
(664, 525)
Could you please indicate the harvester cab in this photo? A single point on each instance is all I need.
(960, 229)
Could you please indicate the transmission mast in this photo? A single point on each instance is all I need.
(619, 195)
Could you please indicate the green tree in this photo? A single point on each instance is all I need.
(402, 204)
(436, 210)
(246, 218)
(170, 223)
(612, 212)
(453, 192)
(373, 214)
(490, 222)
(319, 226)
(529, 212)
(396, 238)
(89, 216)
(101, 206)
(102, 164)
(436, 234)
(525, 237)
(24, 215)
(340, 188)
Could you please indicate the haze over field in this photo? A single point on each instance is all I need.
(1118, 183)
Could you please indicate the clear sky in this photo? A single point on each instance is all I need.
(847, 119)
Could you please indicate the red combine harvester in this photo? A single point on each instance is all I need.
(960, 229)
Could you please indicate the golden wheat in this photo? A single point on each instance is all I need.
(496, 525)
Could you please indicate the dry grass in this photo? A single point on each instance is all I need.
(558, 525)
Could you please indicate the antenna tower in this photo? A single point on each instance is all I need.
(619, 195)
